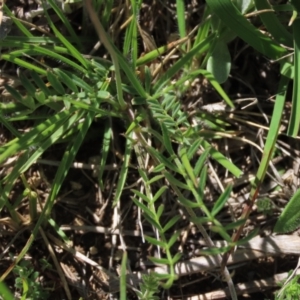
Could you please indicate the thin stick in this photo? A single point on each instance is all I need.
(105, 40)
(56, 263)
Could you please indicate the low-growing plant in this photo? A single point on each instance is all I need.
(290, 288)
(149, 287)
(64, 102)
(27, 282)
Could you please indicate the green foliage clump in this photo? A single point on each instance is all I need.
(265, 205)
(27, 282)
(289, 290)
(149, 287)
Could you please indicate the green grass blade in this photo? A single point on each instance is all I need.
(123, 290)
(22, 63)
(67, 80)
(36, 135)
(289, 219)
(271, 22)
(130, 46)
(154, 54)
(106, 11)
(5, 292)
(155, 241)
(60, 131)
(15, 94)
(60, 175)
(179, 65)
(115, 54)
(186, 164)
(165, 161)
(201, 161)
(73, 51)
(56, 56)
(67, 161)
(124, 170)
(104, 152)
(204, 29)
(231, 16)
(40, 84)
(295, 115)
(30, 88)
(8, 125)
(144, 208)
(222, 160)
(179, 183)
(67, 24)
(170, 224)
(80, 82)
(194, 74)
(55, 83)
(18, 23)
(159, 193)
(59, 232)
(135, 82)
(219, 204)
(17, 41)
(167, 139)
(271, 137)
(180, 12)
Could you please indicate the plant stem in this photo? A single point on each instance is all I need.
(105, 40)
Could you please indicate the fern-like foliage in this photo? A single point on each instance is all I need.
(180, 169)
(149, 287)
(169, 113)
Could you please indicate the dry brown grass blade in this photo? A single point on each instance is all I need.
(247, 288)
(148, 40)
(79, 255)
(257, 248)
(57, 265)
